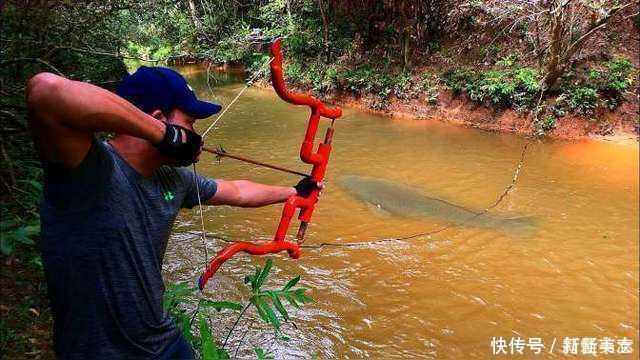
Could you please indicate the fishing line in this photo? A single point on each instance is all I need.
(503, 195)
(497, 202)
(363, 243)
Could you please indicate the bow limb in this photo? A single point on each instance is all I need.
(250, 248)
(277, 79)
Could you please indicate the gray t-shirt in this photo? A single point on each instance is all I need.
(104, 234)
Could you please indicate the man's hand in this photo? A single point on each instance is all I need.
(181, 144)
(306, 186)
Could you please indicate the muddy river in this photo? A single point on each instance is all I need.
(572, 273)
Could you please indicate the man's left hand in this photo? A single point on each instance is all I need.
(306, 186)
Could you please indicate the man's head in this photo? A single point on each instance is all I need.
(164, 94)
(160, 89)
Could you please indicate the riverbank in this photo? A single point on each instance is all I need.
(621, 125)
(461, 111)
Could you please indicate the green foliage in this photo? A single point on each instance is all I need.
(580, 99)
(268, 303)
(210, 350)
(14, 233)
(519, 87)
(180, 299)
(612, 79)
(20, 223)
(458, 79)
(262, 355)
(514, 86)
(366, 80)
(507, 61)
(548, 124)
(602, 85)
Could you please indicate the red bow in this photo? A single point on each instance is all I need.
(319, 160)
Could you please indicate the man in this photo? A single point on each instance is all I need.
(108, 207)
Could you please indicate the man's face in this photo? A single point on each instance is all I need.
(178, 117)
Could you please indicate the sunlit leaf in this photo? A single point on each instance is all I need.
(278, 305)
(219, 305)
(300, 296)
(262, 355)
(185, 325)
(209, 349)
(291, 300)
(257, 303)
(273, 319)
(263, 274)
(291, 283)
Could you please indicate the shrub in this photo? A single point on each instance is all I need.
(581, 100)
(457, 80)
(514, 87)
(613, 80)
(582, 91)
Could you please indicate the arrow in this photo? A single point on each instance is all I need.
(222, 153)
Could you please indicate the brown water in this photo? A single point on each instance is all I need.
(443, 296)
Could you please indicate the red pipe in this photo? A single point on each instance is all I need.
(318, 159)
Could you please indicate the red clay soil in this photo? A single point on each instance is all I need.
(459, 110)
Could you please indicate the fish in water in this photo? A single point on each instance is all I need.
(400, 200)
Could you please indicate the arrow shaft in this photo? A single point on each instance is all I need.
(251, 161)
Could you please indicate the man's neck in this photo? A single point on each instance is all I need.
(139, 153)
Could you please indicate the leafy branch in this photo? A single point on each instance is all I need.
(268, 303)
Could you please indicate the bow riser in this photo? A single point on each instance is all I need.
(318, 159)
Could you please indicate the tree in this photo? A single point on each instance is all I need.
(570, 25)
(559, 29)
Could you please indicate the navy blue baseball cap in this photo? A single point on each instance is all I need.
(160, 88)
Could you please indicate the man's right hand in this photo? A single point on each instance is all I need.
(181, 144)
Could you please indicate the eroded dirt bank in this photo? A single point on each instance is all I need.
(621, 124)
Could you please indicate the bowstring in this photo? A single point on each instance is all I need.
(203, 234)
(248, 84)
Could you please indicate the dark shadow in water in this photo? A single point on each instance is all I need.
(404, 201)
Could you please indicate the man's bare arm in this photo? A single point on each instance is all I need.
(245, 193)
(64, 114)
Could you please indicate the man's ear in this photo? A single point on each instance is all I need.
(158, 114)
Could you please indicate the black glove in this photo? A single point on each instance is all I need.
(306, 186)
(181, 144)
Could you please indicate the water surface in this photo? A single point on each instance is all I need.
(442, 296)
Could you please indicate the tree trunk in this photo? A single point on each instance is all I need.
(538, 45)
(325, 31)
(194, 15)
(406, 34)
(562, 47)
(552, 68)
